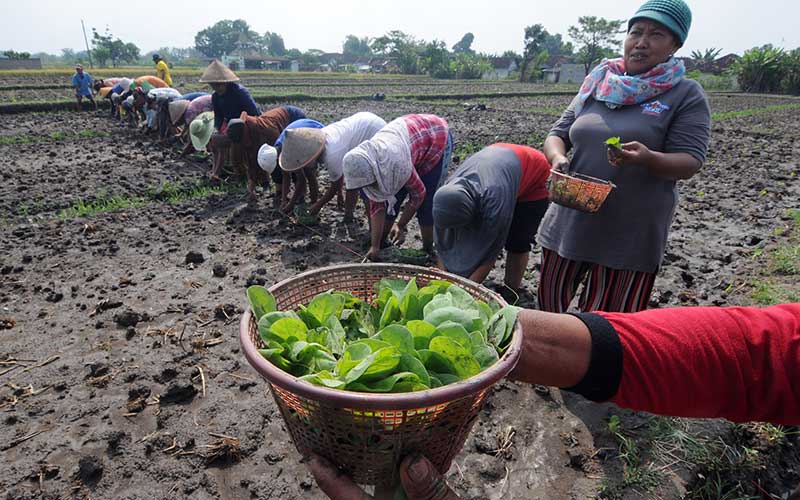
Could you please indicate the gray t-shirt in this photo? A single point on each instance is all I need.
(494, 175)
(630, 230)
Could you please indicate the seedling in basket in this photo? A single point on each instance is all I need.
(408, 339)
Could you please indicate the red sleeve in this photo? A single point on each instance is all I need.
(738, 363)
(535, 171)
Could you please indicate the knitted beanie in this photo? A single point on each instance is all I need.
(674, 14)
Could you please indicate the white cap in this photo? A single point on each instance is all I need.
(126, 83)
(267, 158)
(129, 100)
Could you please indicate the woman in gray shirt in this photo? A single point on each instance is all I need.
(664, 122)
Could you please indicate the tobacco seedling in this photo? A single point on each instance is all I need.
(614, 142)
(408, 339)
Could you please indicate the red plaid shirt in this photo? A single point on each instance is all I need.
(428, 134)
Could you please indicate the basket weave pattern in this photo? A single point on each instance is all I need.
(578, 191)
(367, 435)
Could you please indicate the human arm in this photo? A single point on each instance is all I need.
(482, 271)
(333, 188)
(736, 363)
(673, 166)
(416, 196)
(555, 149)
(685, 143)
(377, 219)
(248, 105)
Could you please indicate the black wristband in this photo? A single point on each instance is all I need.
(601, 381)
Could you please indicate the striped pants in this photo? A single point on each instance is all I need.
(605, 289)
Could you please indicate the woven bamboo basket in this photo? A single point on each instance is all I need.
(365, 434)
(578, 191)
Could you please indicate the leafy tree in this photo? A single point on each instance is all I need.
(471, 66)
(68, 55)
(403, 48)
(226, 36)
(294, 54)
(706, 57)
(435, 60)
(17, 55)
(464, 46)
(791, 80)
(273, 43)
(556, 46)
(762, 69)
(356, 47)
(106, 48)
(596, 37)
(535, 37)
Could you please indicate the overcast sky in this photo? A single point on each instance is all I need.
(50, 25)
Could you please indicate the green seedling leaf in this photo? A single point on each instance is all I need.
(353, 355)
(422, 332)
(336, 338)
(485, 354)
(454, 314)
(309, 318)
(462, 299)
(391, 313)
(266, 322)
(614, 142)
(410, 363)
(386, 384)
(284, 364)
(325, 379)
(323, 306)
(446, 378)
(261, 301)
(288, 330)
(464, 364)
(454, 331)
(375, 366)
(435, 362)
(501, 327)
(398, 336)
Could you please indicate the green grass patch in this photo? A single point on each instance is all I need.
(169, 192)
(753, 111)
(768, 292)
(18, 139)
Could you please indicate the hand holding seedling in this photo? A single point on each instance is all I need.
(629, 153)
(420, 480)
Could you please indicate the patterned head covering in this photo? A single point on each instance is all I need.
(381, 165)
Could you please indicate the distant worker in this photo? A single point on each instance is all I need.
(328, 146)
(82, 83)
(251, 132)
(162, 69)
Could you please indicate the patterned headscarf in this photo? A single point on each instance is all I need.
(609, 83)
(381, 165)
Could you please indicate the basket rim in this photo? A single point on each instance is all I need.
(380, 401)
(583, 177)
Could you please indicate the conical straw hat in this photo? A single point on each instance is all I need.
(301, 146)
(216, 72)
(177, 109)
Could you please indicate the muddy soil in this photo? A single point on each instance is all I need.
(128, 366)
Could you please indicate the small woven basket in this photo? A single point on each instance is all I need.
(364, 434)
(578, 191)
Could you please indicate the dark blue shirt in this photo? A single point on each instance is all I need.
(295, 113)
(232, 103)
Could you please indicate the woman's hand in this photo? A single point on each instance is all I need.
(560, 163)
(397, 234)
(632, 153)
